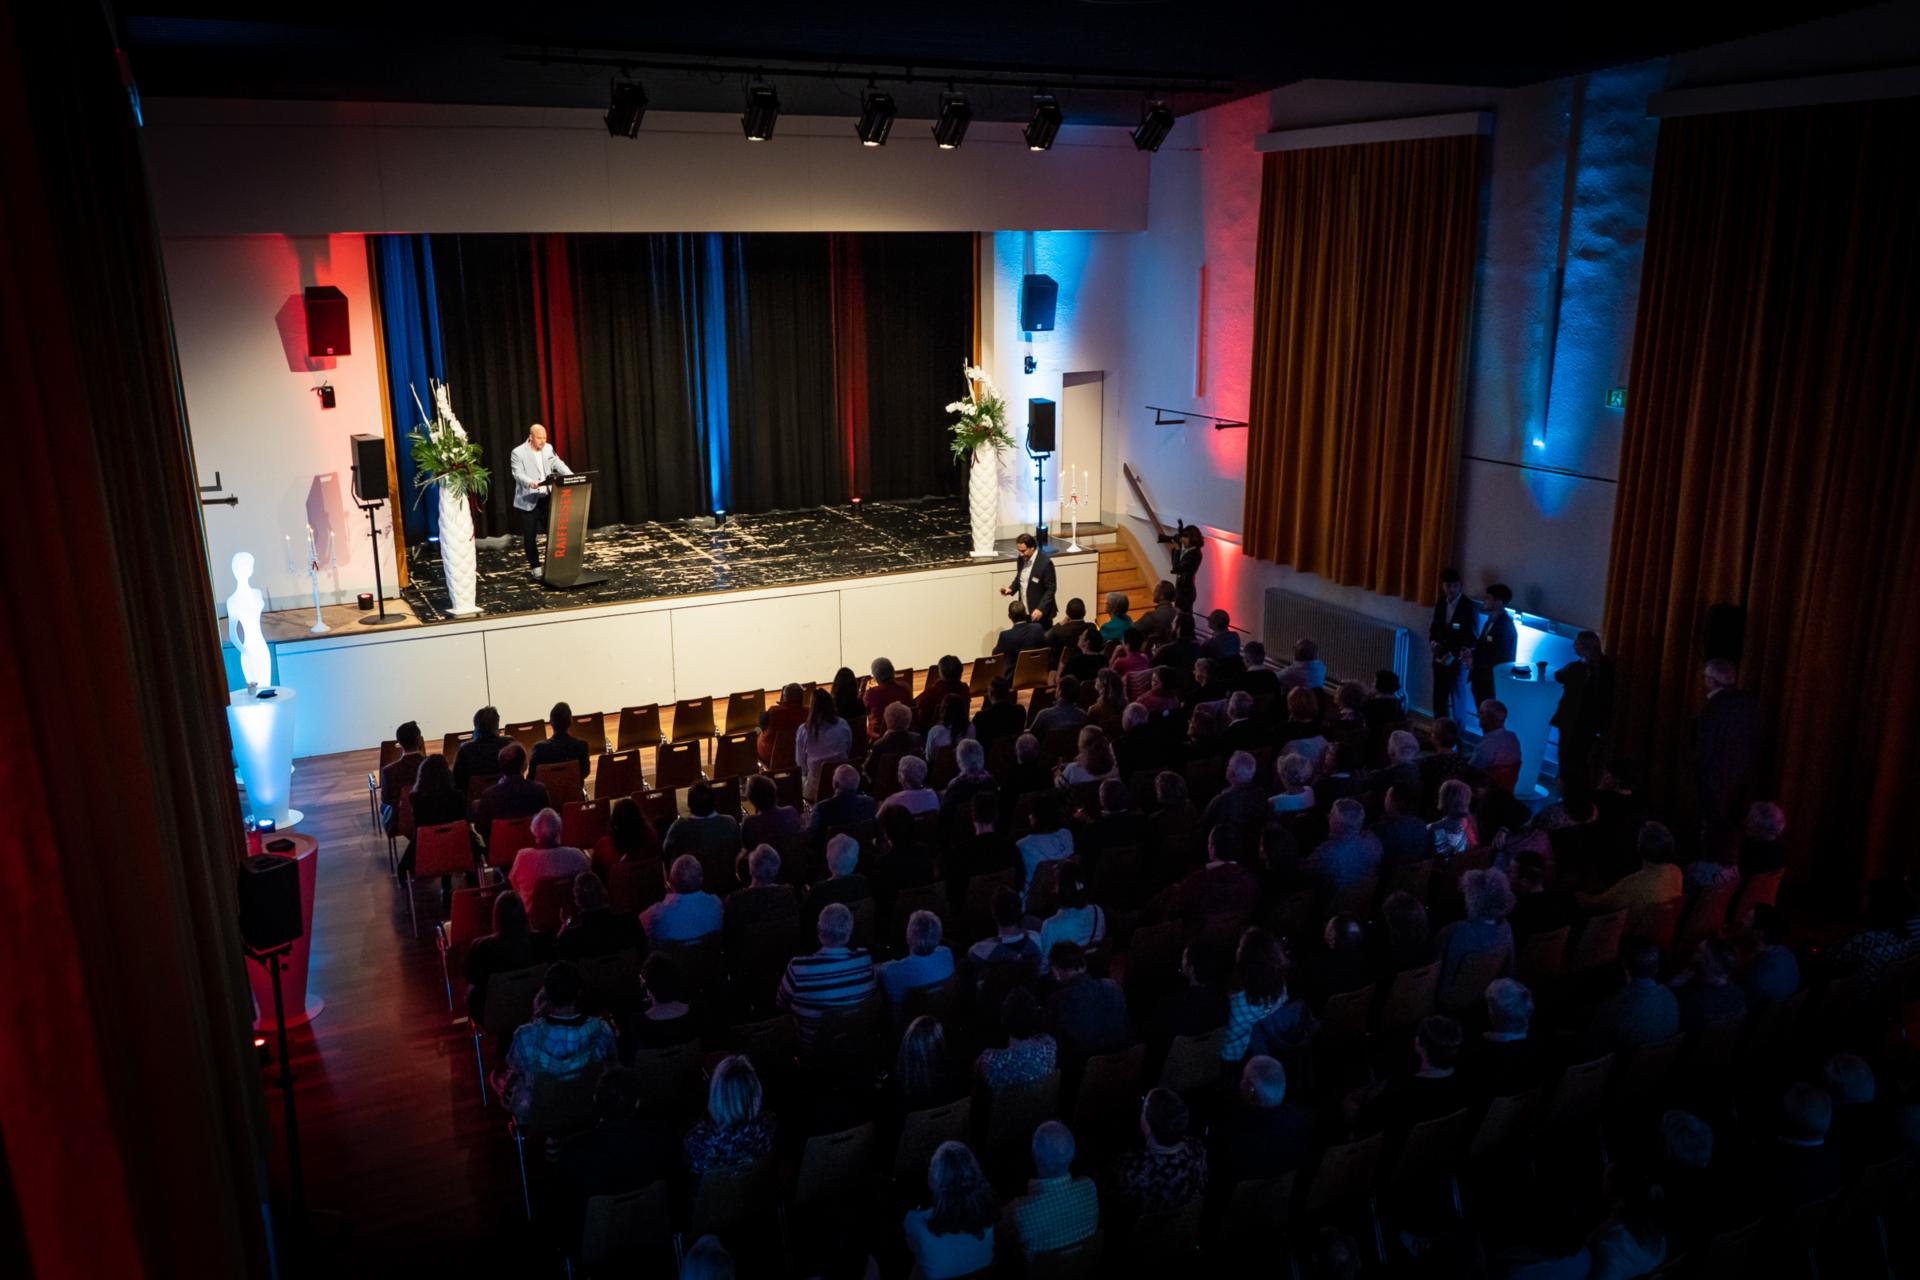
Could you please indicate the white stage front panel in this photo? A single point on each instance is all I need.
(725, 645)
(355, 694)
(591, 663)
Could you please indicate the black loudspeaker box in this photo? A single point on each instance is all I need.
(1726, 631)
(1039, 425)
(269, 901)
(1037, 296)
(326, 322)
(370, 468)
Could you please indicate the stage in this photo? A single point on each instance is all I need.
(690, 610)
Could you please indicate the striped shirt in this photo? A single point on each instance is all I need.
(830, 978)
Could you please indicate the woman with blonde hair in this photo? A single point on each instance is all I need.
(1453, 832)
(952, 1235)
(736, 1131)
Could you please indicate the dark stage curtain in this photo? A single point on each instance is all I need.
(1771, 458)
(1362, 291)
(410, 308)
(130, 1101)
(917, 338)
(782, 434)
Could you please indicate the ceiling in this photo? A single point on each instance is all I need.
(1101, 57)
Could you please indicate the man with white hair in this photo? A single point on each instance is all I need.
(925, 963)
(1245, 731)
(1350, 853)
(837, 976)
(1264, 1133)
(956, 802)
(765, 899)
(1506, 1059)
(844, 883)
(548, 859)
(899, 738)
(1240, 806)
(688, 912)
(1728, 753)
(1058, 1209)
(914, 795)
(846, 807)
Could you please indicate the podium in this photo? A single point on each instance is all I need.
(567, 500)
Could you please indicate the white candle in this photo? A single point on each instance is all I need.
(288, 538)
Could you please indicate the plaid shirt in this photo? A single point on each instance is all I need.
(1054, 1213)
(556, 1047)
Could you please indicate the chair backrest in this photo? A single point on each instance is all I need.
(1756, 890)
(1771, 1026)
(981, 675)
(943, 767)
(562, 781)
(1410, 997)
(677, 764)
(1163, 1236)
(1432, 1148)
(442, 850)
(510, 1001)
(478, 783)
(1658, 922)
(1016, 1110)
(700, 962)
(1598, 943)
(1714, 1046)
(1582, 1088)
(469, 916)
(507, 838)
(1355, 896)
(1543, 958)
(1506, 1121)
(976, 914)
(848, 1033)
(584, 823)
(670, 1077)
(1346, 1171)
(1043, 889)
(1260, 1207)
(1471, 978)
(591, 728)
(1032, 668)
(639, 727)
(1109, 1094)
(1077, 1261)
(660, 806)
(560, 1105)
(619, 774)
(634, 886)
(1345, 1018)
(450, 744)
(835, 1170)
(552, 903)
(628, 1228)
(1412, 878)
(744, 710)
(1734, 1253)
(1042, 698)
(1059, 745)
(1193, 1062)
(1153, 953)
(736, 1199)
(786, 781)
(771, 1044)
(735, 756)
(528, 733)
(610, 982)
(389, 752)
(919, 897)
(692, 719)
(921, 1134)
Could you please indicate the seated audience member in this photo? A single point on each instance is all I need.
(846, 807)
(708, 835)
(1430, 1091)
(400, 774)
(548, 859)
(1029, 774)
(1883, 940)
(1218, 888)
(1306, 671)
(914, 795)
(1345, 965)
(1400, 830)
(925, 963)
(561, 747)
(837, 976)
(1129, 656)
(1161, 696)
(1295, 773)
(513, 945)
(1303, 730)
(1222, 640)
(948, 684)
(1445, 760)
(1058, 1209)
(433, 802)
(1632, 1241)
(923, 1074)
(765, 899)
(1244, 729)
(1537, 908)
(844, 883)
(1386, 708)
(1118, 619)
(1012, 943)
(782, 721)
(1142, 746)
(1240, 806)
(1171, 1168)
(885, 691)
(1031, 1052)
(1408, 933)
(1263, 1133)
(736, 1131)
(630, 836)
(668, 1018)
(977, 848)
(1697, 1205)
(1087, 662)
(1093, 764)
(1505, 1059)
(1115, 826)
(1483, 937)
(1584, 849)
(1088, 1015)
(1209, 687)
(628, 1146)
(512, 795)
(1706, 991)
(1021, 633)
(1199, 1003)
(897, 739)
(1641, 1012)
(1076, 918)
(1862, 1130)
(1498, 755)
(595, 930)
(1760, 848)
(1453, 832)
(1262, 1017)
(1797, 1166)
(688, 913)
(1710, 886)
(1159, 619)
(1049, 839)
(479, 756)
(972, 780)
(1402, 767)
(906, 854)
(561, 1043)
(1646, 892)
(1259, 679)
(1769, 970)
(1000, 715)
(824, 737)
(1066, 634)
(1350, 853)
(951, 1235)
(953, 726)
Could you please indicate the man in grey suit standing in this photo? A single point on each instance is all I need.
(533, 464)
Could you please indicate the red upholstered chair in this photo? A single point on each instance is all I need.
(552, 903)
(583, 823)
(469, 916)
(508, 837)
(563, 782)
(619, 774)
(528, 733)
(677, 764)
(442, 850)
(639, 727)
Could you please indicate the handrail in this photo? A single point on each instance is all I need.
(1159, 530)
(1164, 417)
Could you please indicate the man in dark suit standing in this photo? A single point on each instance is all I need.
(1033, 582)
(1586, 707)
(1727, 754)
(1022, 633)
(1450, 637)
(1496, 644)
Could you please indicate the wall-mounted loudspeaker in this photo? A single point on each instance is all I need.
(1037, 296)
(326, 322)
(370, 468)
(1039, 425)
(269, 901)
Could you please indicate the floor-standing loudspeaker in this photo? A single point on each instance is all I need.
(1726, 631)
(326, 322)
(370, 468)
(269, 902)
(1039, 425)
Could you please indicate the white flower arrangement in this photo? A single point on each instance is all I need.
(982, 416)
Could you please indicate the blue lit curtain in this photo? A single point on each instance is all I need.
(410, 322)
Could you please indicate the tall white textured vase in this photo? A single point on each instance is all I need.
(456, 550)
(983, 498)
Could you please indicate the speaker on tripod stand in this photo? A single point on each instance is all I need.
(369, 492)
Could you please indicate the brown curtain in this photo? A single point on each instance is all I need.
(1362, 292)
(1771, 459)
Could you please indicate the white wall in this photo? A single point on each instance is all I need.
(240, 330)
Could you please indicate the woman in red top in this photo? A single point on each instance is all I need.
(782, 720)
(881, 694)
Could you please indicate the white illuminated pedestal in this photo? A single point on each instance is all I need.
(262, 728)
(1530, 704)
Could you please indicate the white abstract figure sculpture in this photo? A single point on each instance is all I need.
(244, 607)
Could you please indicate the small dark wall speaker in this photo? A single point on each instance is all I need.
(326, 322)
(1040, 425)
(1726, 631)
(269, 901)
(1037, 296)
(370, 468)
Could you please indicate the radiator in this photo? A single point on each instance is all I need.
(1353, 645)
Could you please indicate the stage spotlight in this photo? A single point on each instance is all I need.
(628, 109)
(1045, 122)
(956, 113)
(763, 109)
(876, 118)
(1156, 122)
(719, 517)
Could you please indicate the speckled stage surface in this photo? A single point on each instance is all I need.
(686, 557)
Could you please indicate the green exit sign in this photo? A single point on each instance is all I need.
(1616, 397)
